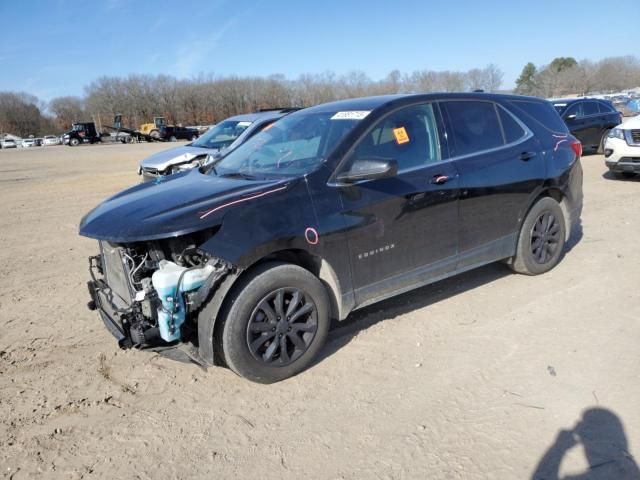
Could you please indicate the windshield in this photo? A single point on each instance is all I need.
(222, 135)
(293, 146)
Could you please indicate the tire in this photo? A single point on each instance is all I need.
(127, 139)
(532, 260)
(74, 142)
(248, 330)
(173, 139)
(603, 140)
(194, 138)
(154, 134)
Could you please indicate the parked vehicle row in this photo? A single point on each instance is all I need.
(47, 140)
(589, 120)
(330, 209)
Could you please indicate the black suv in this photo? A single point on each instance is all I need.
(334, 207)
(173, 133)
(589, 119)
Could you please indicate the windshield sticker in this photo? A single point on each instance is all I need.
(401, 135)
(244, 124)
(352, 115)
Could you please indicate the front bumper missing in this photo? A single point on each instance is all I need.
(115, 324)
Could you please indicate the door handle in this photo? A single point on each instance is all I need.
(525, 156)
(440, 179)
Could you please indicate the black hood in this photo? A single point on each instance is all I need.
(181, 204)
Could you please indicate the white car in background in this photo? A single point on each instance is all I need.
(8, 143)
(28, 142)
(622, 149)
(51, 140)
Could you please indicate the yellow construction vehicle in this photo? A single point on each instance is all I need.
(153, 129)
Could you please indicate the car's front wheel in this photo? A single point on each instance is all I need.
(541, 240)
(74, 142)
(275, 323)
(603, 140)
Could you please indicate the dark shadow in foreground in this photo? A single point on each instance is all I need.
(601, 434)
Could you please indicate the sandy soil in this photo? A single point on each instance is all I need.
(473, 377)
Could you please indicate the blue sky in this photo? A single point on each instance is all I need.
(54, 48)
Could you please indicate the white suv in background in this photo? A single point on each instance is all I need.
(622, 149)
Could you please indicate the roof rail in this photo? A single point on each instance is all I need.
(279, 109)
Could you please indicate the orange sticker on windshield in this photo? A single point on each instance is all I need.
(401, 135)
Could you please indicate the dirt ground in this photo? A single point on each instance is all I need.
(479, 376)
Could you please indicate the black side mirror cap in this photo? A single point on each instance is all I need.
(369, 169)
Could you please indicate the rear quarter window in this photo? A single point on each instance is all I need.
(606, 108)
(543, 113)
(512, 130)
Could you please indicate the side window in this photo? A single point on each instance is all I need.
(409, 136)
(575, 109)
(512, 130)
(605, 108)
(589, 108)
(474, 127)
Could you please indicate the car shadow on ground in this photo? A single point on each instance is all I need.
(342, 332)
(610, 176)
(601, 435)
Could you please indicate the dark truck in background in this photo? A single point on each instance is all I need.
(173, 133)
(82, 132)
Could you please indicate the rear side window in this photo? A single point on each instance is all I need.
(590, 108)
(512, 130)
(474, 126)
(606, 108)
(543, 113)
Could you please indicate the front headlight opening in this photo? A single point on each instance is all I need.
(188, 166)
(616, 133)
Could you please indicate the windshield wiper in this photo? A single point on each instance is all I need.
(245, 176)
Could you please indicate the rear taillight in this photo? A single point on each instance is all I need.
(576, 146)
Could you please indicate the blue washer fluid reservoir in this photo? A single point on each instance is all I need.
(165, 281)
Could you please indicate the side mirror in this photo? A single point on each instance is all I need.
(369, 169)
(571, 117)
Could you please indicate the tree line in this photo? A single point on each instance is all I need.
(207, 99)
(565, 76)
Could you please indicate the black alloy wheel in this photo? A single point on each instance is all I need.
(545, 238)
(282, 327)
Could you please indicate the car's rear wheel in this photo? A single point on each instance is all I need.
(172, 138)
(275, 323)
(603, 140)
(154, 134)
(541, 240)
(194, 138)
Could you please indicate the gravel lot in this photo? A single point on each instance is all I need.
(479, 376)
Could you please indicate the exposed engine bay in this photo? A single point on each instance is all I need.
(149, 293)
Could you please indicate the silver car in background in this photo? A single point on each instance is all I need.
(217, 141)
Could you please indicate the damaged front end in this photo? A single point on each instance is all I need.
(149, 293)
